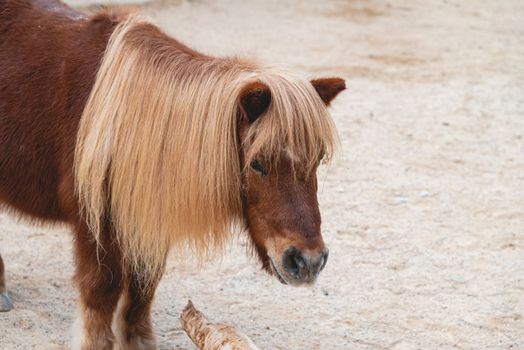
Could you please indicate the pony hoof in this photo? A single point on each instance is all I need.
(5, 302)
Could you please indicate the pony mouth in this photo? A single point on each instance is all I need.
(276, 272)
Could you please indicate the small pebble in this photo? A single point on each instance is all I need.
(424, 194)
(400, 200)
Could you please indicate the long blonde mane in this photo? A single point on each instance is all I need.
(157, 149)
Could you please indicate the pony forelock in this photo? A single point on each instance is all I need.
(157, 149)
(296, 124)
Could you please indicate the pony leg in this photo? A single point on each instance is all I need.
(5, 302)
(132, 324)
(99, 279)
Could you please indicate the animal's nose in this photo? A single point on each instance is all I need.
(304, 267)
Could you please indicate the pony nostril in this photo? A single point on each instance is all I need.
(324, 258)
(293, 262)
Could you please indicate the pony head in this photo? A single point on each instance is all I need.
(285, 133)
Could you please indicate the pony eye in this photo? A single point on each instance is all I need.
(256, 166)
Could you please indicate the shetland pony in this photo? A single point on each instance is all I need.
(143, 145)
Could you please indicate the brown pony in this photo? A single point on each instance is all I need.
(143, 145)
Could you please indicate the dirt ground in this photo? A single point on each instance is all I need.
(423, 210)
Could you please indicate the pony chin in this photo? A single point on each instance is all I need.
(272, 265)
(258, 249)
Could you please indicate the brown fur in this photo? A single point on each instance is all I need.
(49, 90)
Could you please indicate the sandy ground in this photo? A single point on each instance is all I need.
(423, 210)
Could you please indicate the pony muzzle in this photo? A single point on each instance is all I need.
(299, 268)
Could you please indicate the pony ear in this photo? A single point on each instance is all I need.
(328, 88)
(254, 100)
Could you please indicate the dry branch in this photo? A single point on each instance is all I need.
(212, 336)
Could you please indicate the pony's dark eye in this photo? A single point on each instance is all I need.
(256, 166)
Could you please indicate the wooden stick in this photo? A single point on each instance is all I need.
(212, 336)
